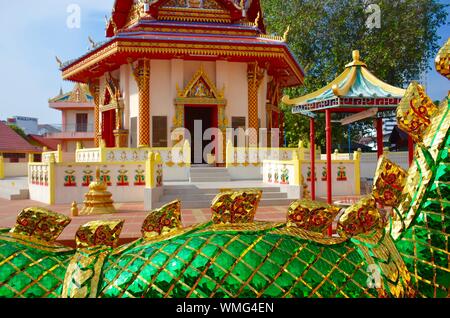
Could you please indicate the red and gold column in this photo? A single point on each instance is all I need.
(94, 89)
(255, 75)
(142, 76)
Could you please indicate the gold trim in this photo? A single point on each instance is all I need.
(200, 74)
(351, 78)
(34, 243)
(193, 30)
(130, 47)
(194, 15)
(309, 236)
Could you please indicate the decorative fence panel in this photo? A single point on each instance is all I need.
(63, 183)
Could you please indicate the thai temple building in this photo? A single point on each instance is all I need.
(77, 113)
(166, 64)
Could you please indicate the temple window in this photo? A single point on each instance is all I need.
(133, 132)
(82, 122)
(159, 131)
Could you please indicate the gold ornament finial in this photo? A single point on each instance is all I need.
(97, 174)
(356, 60)
(356, 56)
(258, 17)
(286, 33)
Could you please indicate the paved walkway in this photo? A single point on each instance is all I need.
(132, 213)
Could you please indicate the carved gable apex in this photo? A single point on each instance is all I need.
(193, 4)
(200, 87)
(79, 94)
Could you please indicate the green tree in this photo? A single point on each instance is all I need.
(324, 33)
(19, 131)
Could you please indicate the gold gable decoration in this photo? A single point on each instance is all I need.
(195, 4)
(194, 11)
(79, 93)
(200, 86)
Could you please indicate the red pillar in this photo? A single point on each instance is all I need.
(410, 150)
(313, 159)
(329, 151)
(380, 144)
(329, 166)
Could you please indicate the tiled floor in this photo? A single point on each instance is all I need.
(132, 213)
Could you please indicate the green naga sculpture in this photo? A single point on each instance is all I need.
(402, 251)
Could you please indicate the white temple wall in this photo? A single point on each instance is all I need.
(236, 90)
(161, 98)
(176, 79)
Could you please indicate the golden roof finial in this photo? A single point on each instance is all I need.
(256, 23)
(286, 33)
(97, 174)
(356, 60)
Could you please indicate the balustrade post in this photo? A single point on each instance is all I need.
(187, 153)
(229, 154)
(51, 178)
(2, 168)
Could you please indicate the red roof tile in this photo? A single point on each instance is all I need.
(10, 141)
(51, 144)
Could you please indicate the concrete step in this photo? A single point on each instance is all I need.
(209, 170)
(210, 179)
(14, 194)
(210, 197)
(192, 190)
(209, 175)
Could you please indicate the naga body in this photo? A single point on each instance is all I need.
(402, 254)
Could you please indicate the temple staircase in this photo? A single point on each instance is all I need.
(200, 195)
(14, 188)
(209, 174)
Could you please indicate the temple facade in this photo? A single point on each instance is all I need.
(166, 64)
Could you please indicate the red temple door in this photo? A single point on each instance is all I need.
(108, 123)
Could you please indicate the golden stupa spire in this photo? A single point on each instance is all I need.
(98, 199)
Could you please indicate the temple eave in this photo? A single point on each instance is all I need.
(119, 51)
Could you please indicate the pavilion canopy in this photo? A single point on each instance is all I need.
(356, 89)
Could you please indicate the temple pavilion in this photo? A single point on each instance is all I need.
(355, 91)
(168, 63)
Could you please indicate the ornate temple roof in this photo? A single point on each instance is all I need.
(355, 87)
(79, 97)
(188, 29)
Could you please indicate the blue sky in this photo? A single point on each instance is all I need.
(33, 32)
